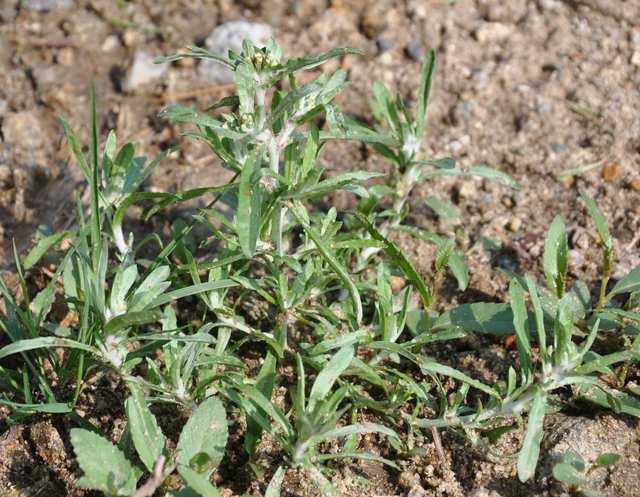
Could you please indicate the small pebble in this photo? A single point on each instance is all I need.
(384, 44)
(110, 43)
(515, 224)
(65, 56)
(611, 172)
(415, 50)
(397, 283)
(373, 23)
(635, 185)
(131, 38)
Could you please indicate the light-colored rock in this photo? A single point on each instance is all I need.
(143, 71)
(229, 36)
(494, 32)
(484, 492)
(25, 136)
(46, 5)
(110, 43)
(511, 11)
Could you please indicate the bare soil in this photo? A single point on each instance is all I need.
(533, 88)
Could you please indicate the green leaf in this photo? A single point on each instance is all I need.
(530, 451)
(124, 280)
(180, 114)
(299, 212)
(150, 289)
(332, 184)
(306, 63)
(328, 376)
(566, 473)
(612, 399)
(630, 283)
(437, 368)
(459, 269)
(538, 316)
(145, 432)
(42, 342)
(193, 52)
(493, 175)
(205, 432)
(266, 406)
(249, 205)
(275, 485)
(555, 256)
(443, 208)
(96, 222)
(42, 247)
(479, 317)
(518, 306)
(479, 171)
(400, 260)
(131, 319)
(607, 459)
(187, 291)
(386, 108)
(428, 66)
(105, 467)
(598, 219)
(345, 431)
(76, 149)
(264, 385)
(197, 481)
(49, 407)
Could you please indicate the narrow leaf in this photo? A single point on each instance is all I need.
(530, 451)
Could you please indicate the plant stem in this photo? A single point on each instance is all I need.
(606, 274)
(276, 220)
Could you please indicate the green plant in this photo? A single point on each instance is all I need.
(573, 472)
(573, 324)
(283, 294)
(199, 451)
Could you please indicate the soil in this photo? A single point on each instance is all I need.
(533, 88)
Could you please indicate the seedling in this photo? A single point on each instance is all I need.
(573, 472)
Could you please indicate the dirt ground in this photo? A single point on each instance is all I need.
(533, 88)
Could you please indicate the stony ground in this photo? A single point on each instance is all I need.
(545, 90)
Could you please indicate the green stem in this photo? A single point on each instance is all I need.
(606, 274)
(276, 220)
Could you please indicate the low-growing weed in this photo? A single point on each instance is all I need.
(574, 474)
(284, 296)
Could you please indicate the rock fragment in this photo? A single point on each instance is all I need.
(229, 36)
(143, 71)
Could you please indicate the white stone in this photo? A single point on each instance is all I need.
(143, 71)
(46, 5)
(229, 36)
(492, 32)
